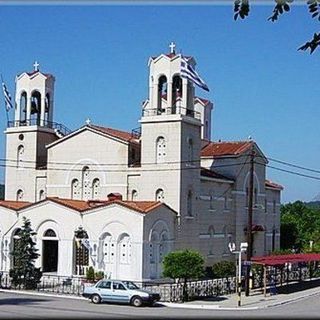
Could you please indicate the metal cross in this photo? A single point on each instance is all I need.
(88, 121)
(172, 47)
(36, 66)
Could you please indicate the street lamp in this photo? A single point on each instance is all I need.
(243, 248)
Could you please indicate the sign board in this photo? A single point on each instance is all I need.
(247, 263)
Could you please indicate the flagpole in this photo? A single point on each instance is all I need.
(6, 106)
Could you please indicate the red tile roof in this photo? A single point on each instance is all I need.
(81, 205)
(212, 174)
(204, 101)
(14, 205)
(273, 185)
(225, 148)
(122, 135)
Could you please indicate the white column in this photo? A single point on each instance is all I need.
(42, 110)
(184, 95)
(154, 98)
(28, 115)
(17, 111)
(151, 92)
(169, 98)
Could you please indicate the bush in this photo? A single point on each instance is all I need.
(90, 274)
(99, 275)
(224, 269)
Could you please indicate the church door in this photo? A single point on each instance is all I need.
(50, 255)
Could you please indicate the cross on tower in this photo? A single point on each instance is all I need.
(36, 66)
(172, 47)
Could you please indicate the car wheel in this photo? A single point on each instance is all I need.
(136, 301)
(95, 299)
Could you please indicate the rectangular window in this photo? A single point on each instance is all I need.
(265, 205)
(274, 206)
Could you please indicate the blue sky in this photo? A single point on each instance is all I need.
(260, 84)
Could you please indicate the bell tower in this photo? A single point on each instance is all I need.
(171, 140)
(27, 136)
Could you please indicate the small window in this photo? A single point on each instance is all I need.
(41, 195)
(20, 195)
(96, 188)
(265, 205)
(226, 203)
(274, 206)
(20, 153)
(189, 203)
(134, 195)
(160, 195)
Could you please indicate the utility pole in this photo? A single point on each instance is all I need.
(249, 226)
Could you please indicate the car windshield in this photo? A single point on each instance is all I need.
(130, 285)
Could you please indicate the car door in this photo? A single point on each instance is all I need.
(120, 293)
(104, 290)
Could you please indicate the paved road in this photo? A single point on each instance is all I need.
(27, 306)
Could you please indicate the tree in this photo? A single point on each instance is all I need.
(242, 9)
(224, 269)
(300, 224)
(24, 255)
(183, 265)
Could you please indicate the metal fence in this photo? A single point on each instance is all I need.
(173, 291)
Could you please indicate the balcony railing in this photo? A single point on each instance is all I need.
(36, 122)
(173, 110)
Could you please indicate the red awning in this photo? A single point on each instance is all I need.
(273, 260)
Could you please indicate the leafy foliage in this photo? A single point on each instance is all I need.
(24, 255)
(300, 224)
(90, 274)
(242, 7)
(224, 269)
(183, 265)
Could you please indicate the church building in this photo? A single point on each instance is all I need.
(120, 201)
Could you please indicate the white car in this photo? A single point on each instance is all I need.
(119, 291)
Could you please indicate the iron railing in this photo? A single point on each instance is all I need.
(36, 122)
(172, 110)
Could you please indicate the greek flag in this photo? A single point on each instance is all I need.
(7, 97)
(86, 243)
(188, 72)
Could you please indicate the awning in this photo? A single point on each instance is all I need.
(274, 260)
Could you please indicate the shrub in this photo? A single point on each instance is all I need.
(90, 274)
(224, 269)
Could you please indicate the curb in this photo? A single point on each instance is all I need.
(33, 293)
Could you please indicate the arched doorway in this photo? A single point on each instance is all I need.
(50, 245)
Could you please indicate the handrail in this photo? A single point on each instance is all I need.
(43, 123)
(172, 110)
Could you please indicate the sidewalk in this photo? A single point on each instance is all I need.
(255, 300)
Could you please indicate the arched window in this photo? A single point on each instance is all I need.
(41, 195)
(108, 249)
(160, 195)
(212, 200)
(50, 233)
(19, 195)
(86, 183)
(124, 249)
(190, 151)
(23, 107)
(134, 195)
(20, 152)
(163, 245)
(96, 188)
(35, 107)
(160, 150)
(75, 189)
(189, 203)
(47, 106)
(162, 93)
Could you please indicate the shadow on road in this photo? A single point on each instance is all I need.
(295, 287)
(20, 301)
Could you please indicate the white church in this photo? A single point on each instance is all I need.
(134, 196)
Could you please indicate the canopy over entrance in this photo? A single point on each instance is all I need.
(274, 260)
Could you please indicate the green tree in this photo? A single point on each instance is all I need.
(224, 269)
(242, 9)
(300, 224)
(24, 255)
(183, 265)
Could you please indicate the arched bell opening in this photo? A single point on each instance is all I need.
(35, 111)
(23, 108)
(162, 94)
(176, 93)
